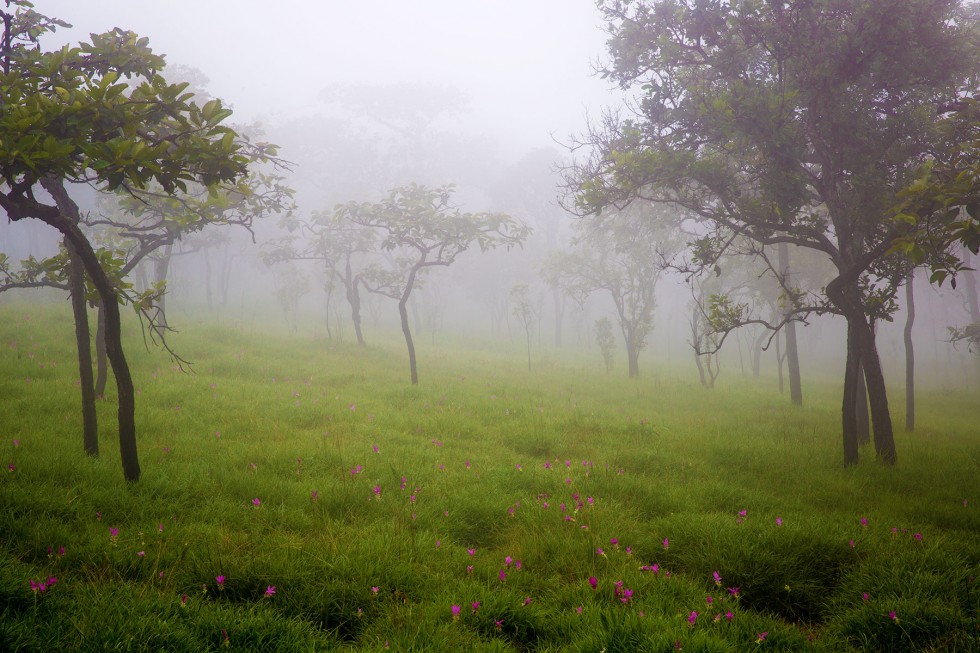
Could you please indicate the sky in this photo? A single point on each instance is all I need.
(526, 65)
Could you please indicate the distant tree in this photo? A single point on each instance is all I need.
(520, 295)
(344, 248)
(604, 338)
(788, 122)
(66, 117)
(616, 254)
(420, 229)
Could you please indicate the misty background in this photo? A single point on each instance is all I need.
(366, 97)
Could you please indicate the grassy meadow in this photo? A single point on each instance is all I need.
(300, 495)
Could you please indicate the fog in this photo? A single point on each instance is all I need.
(365, 97)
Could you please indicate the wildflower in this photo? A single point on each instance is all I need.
(113, 535)
(527, 600)
(578, 609)
(438, 543)
(614, 542)
(183, 600)
(314, 496)
(159, 528)
(593, 582)
(455, 610)
(864, 596)
(761, 637)
(469, 569)
(864, 522)
(508, 560)
(733, 592)
(666, 544)
(692, 618)
(141, 554)
(16, 443)
(502, 574)
(517, 565)
(11, 467)
(475, 605)
(600, 552)
(547, 465)
(270, 590)
(224, 634)
(467, 463)
(729, 615)
(710, 599)
(220, 580)
(374, 448)
(627, 595)
(375, 589)
(852, 544)
(377, 491)
(918, 537)
(498, 624)
(893, 616)
(472, 552)
(779, 521)
(742, 513)
(256, 502)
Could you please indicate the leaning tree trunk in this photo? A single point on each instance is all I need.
(909, 355)
(792, 351)
(881, 421)
(83, 342)
(64, 223)
(403, 314)
(101, 361)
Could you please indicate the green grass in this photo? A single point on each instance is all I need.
(544, 468)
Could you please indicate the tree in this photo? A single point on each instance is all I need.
(67, 118)
(344, 248)
(787, 122)
(520, 293)
(420, 229)
(618, 255)
(604, 338)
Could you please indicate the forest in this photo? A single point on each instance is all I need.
(369, 354)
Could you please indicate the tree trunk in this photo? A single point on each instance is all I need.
(779, 364)
(100, 354)
(83, 342)
(846, 295)
(852, 369)
(792, 351)
(403, 314)
(757, 353)
(909, 355)
(354, 299)
(161, 268)
(970, 286)
(66, 223)
(861, 416)
(633, 356)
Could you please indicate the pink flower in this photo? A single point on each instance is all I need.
(717, 578)
(600, 552)
(918, 536)
(472, 552)
(475, 605)
(502, 574)
(779, 521)
(141, 554)
(256, 502)
(761, 637)
(891, 615)
(375, 590)
(593, 582)
(852, 544)
(692, 618)
(729, 615)
(864, 596)
(666, 544)
(455, 610)
(864, 522)
(377, 491)
(498, 624)
(527, 600)
(270, 590)
(508, 560)
(733, 591)
(469, 569)
(220, 580)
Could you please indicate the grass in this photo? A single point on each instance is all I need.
(381, 506)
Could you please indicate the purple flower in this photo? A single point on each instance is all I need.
(779, 521)
(475, 605)
(256, 502)
(762, 637)
(472, 552)
(692, 618)
(220, 580)
(455, 610)
(270, 590)
(666, 544)
(593, 582)
(717, 578)
(502, 575)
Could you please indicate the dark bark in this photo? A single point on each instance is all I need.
(909, 355)
(779, 364)
(403, 314)
(846, 295)
(83, 343)
(63, 222)
(101, 361)
(852, 369)
(757, 343)
(861, 415)
(633, 357)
